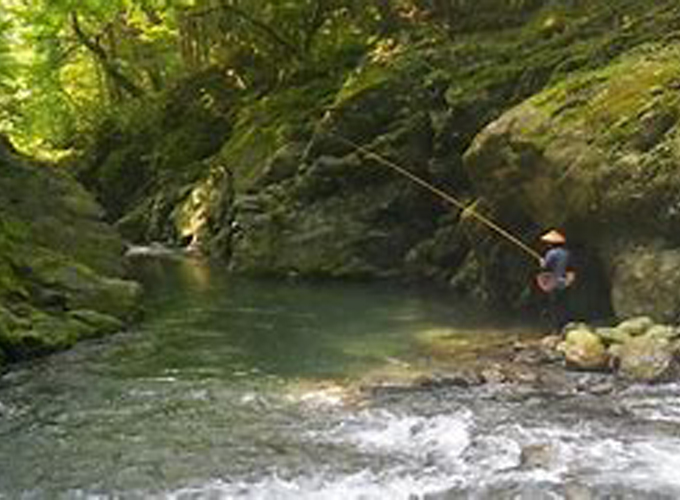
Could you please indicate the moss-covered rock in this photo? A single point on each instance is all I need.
(57, 257)
(595, 154)
(645, 280)
(157, 145)
(41, 334)
(32, 332)
(647, 359)
(99, 323)
(583, 349)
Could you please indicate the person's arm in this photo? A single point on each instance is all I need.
(550, 260)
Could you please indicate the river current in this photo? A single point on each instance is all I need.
(237, 389)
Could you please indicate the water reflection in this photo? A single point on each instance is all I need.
(202, 316)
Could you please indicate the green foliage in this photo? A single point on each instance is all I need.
(7, 62)
(81, 59)
(84, 60)
(76, 57)
(7, 65)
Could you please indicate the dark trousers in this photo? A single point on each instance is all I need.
(558, 309)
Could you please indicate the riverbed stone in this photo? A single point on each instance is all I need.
(635, 326)
(611, 335)
(666, 332)
(494, 374)
(101, 324)
(583, 349)
(647, 359)
(538, 455)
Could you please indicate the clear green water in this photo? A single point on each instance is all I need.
(203, 322)
(226, 391)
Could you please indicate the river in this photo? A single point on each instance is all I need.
(240, 389)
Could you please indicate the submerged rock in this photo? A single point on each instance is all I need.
(539, 455)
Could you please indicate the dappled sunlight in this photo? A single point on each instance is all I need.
(385, 51)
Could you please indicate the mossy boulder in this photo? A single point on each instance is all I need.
(611, 336)
(596, 154)
(42, 333)
(56, 281)
(157, 144)
(57, 259)
(636, 326)
(571, 155)
(32, 332)
(584, 350)
(647, 359)
(337, 236)
(637, 348)
(99, 323)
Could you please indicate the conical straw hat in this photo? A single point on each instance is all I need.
(553, 236)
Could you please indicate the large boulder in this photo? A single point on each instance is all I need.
(597, 154)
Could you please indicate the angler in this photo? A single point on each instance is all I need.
(556, 278)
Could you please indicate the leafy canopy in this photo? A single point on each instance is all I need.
(67, 64)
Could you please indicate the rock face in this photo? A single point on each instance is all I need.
(645, 281)
(60, 265)
(596, 155)
(358, 221)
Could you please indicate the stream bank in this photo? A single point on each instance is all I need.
(62, 273)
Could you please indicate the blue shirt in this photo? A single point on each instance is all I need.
(556, 261)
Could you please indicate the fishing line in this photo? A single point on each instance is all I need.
(466, 209)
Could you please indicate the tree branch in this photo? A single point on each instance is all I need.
(263, 27)
(110, 67)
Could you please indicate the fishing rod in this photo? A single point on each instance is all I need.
(466, 209)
